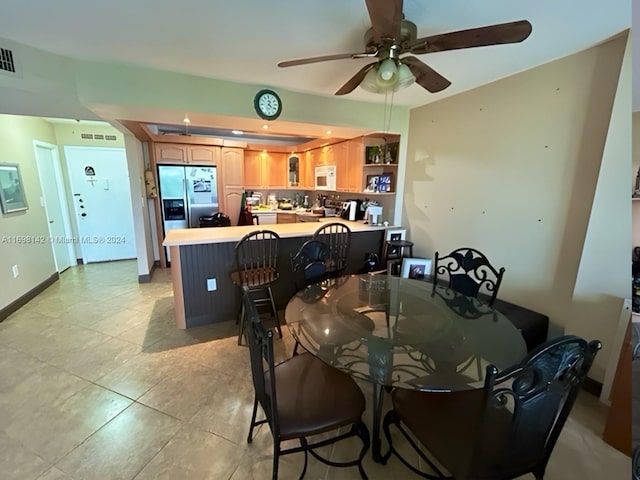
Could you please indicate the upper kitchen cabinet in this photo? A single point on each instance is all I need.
(180, 154)
(265, 170)
(307, 165)
(324, 156)
(341, 157)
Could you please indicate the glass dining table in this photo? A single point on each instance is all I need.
(402, 333)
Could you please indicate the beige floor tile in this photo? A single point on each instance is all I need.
(44, 385)
(56, 428)
(54, 474)
(121, 448)
(194, 455)
(183, 395)
(17, 462)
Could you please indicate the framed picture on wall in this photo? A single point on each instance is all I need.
(12, 197)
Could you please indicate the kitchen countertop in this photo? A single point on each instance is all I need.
(196, 236)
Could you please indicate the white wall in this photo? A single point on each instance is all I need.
(511, 168)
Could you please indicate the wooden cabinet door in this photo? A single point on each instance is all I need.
(232, 165)
(203, 155)
(168, 153)
(276, 170)
(306, 171)
(287, 217)
(618, 428)
(356, 163)
(253, 169)
(341, 157)
(230, 202)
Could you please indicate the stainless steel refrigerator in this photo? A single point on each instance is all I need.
(186, 194)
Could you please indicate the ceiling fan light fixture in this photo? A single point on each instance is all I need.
(369, 82)
(405, 77)
(387, 72)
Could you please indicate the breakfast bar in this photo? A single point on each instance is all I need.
(202, 259)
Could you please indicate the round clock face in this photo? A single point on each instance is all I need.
(267, 104)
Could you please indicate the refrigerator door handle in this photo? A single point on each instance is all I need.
(187, 207)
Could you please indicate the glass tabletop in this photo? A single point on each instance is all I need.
(401, 332)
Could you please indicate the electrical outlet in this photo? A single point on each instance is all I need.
(212, 284)
(15, 271)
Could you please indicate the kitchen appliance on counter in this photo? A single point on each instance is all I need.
(186, 194)
(374, 214)
(352, 210)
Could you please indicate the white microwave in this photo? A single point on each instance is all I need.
(325, 177)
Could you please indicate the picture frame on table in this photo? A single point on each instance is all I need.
(396, 234)
(12, 196)
(416, 268)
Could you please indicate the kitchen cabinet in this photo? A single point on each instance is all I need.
(341, 157)
(180, 154)
(354, 169)
(307, 166)
(265, 170)
(287, 217)
(231, 182)
(324, 156)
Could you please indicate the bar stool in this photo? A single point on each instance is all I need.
(394, 252)
(256, 257)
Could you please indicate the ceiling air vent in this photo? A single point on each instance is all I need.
(86, 136)
(6, 60)
(109, 137)
(98, 136)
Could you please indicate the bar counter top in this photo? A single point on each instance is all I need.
(198, 236)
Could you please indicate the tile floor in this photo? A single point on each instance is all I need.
(96, 382)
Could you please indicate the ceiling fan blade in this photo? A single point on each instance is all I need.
(356, 80)
(325, 58)
(386, 16)
(426, 76)
(512, 32)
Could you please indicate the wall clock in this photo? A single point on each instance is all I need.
(267, 104)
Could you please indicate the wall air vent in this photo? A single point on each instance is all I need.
(98, 136)
(6, 60)
(109, 137)
(86, 136)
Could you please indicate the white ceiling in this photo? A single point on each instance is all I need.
(243, 40)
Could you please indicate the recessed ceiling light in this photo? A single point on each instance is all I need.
(265, 127)
(237, 132)
(186, 119)
(328, 132)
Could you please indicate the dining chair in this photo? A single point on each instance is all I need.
(467, 270)
(256, 268)
(337, 236)
(504, 430)
(310, 260)
(302, 398)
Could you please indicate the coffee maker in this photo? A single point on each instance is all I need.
(352, 210)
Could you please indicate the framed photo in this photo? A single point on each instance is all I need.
(372, 183)
(416, 268)
(396, 234)
(384, 182)
(12, 197)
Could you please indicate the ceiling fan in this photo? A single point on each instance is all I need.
(391, 36)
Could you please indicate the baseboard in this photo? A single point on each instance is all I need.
(146, 278)
(592, 386)
(24, 299)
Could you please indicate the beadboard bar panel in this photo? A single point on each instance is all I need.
(201, 262)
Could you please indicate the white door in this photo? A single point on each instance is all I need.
(55, 204)
(99, 181)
